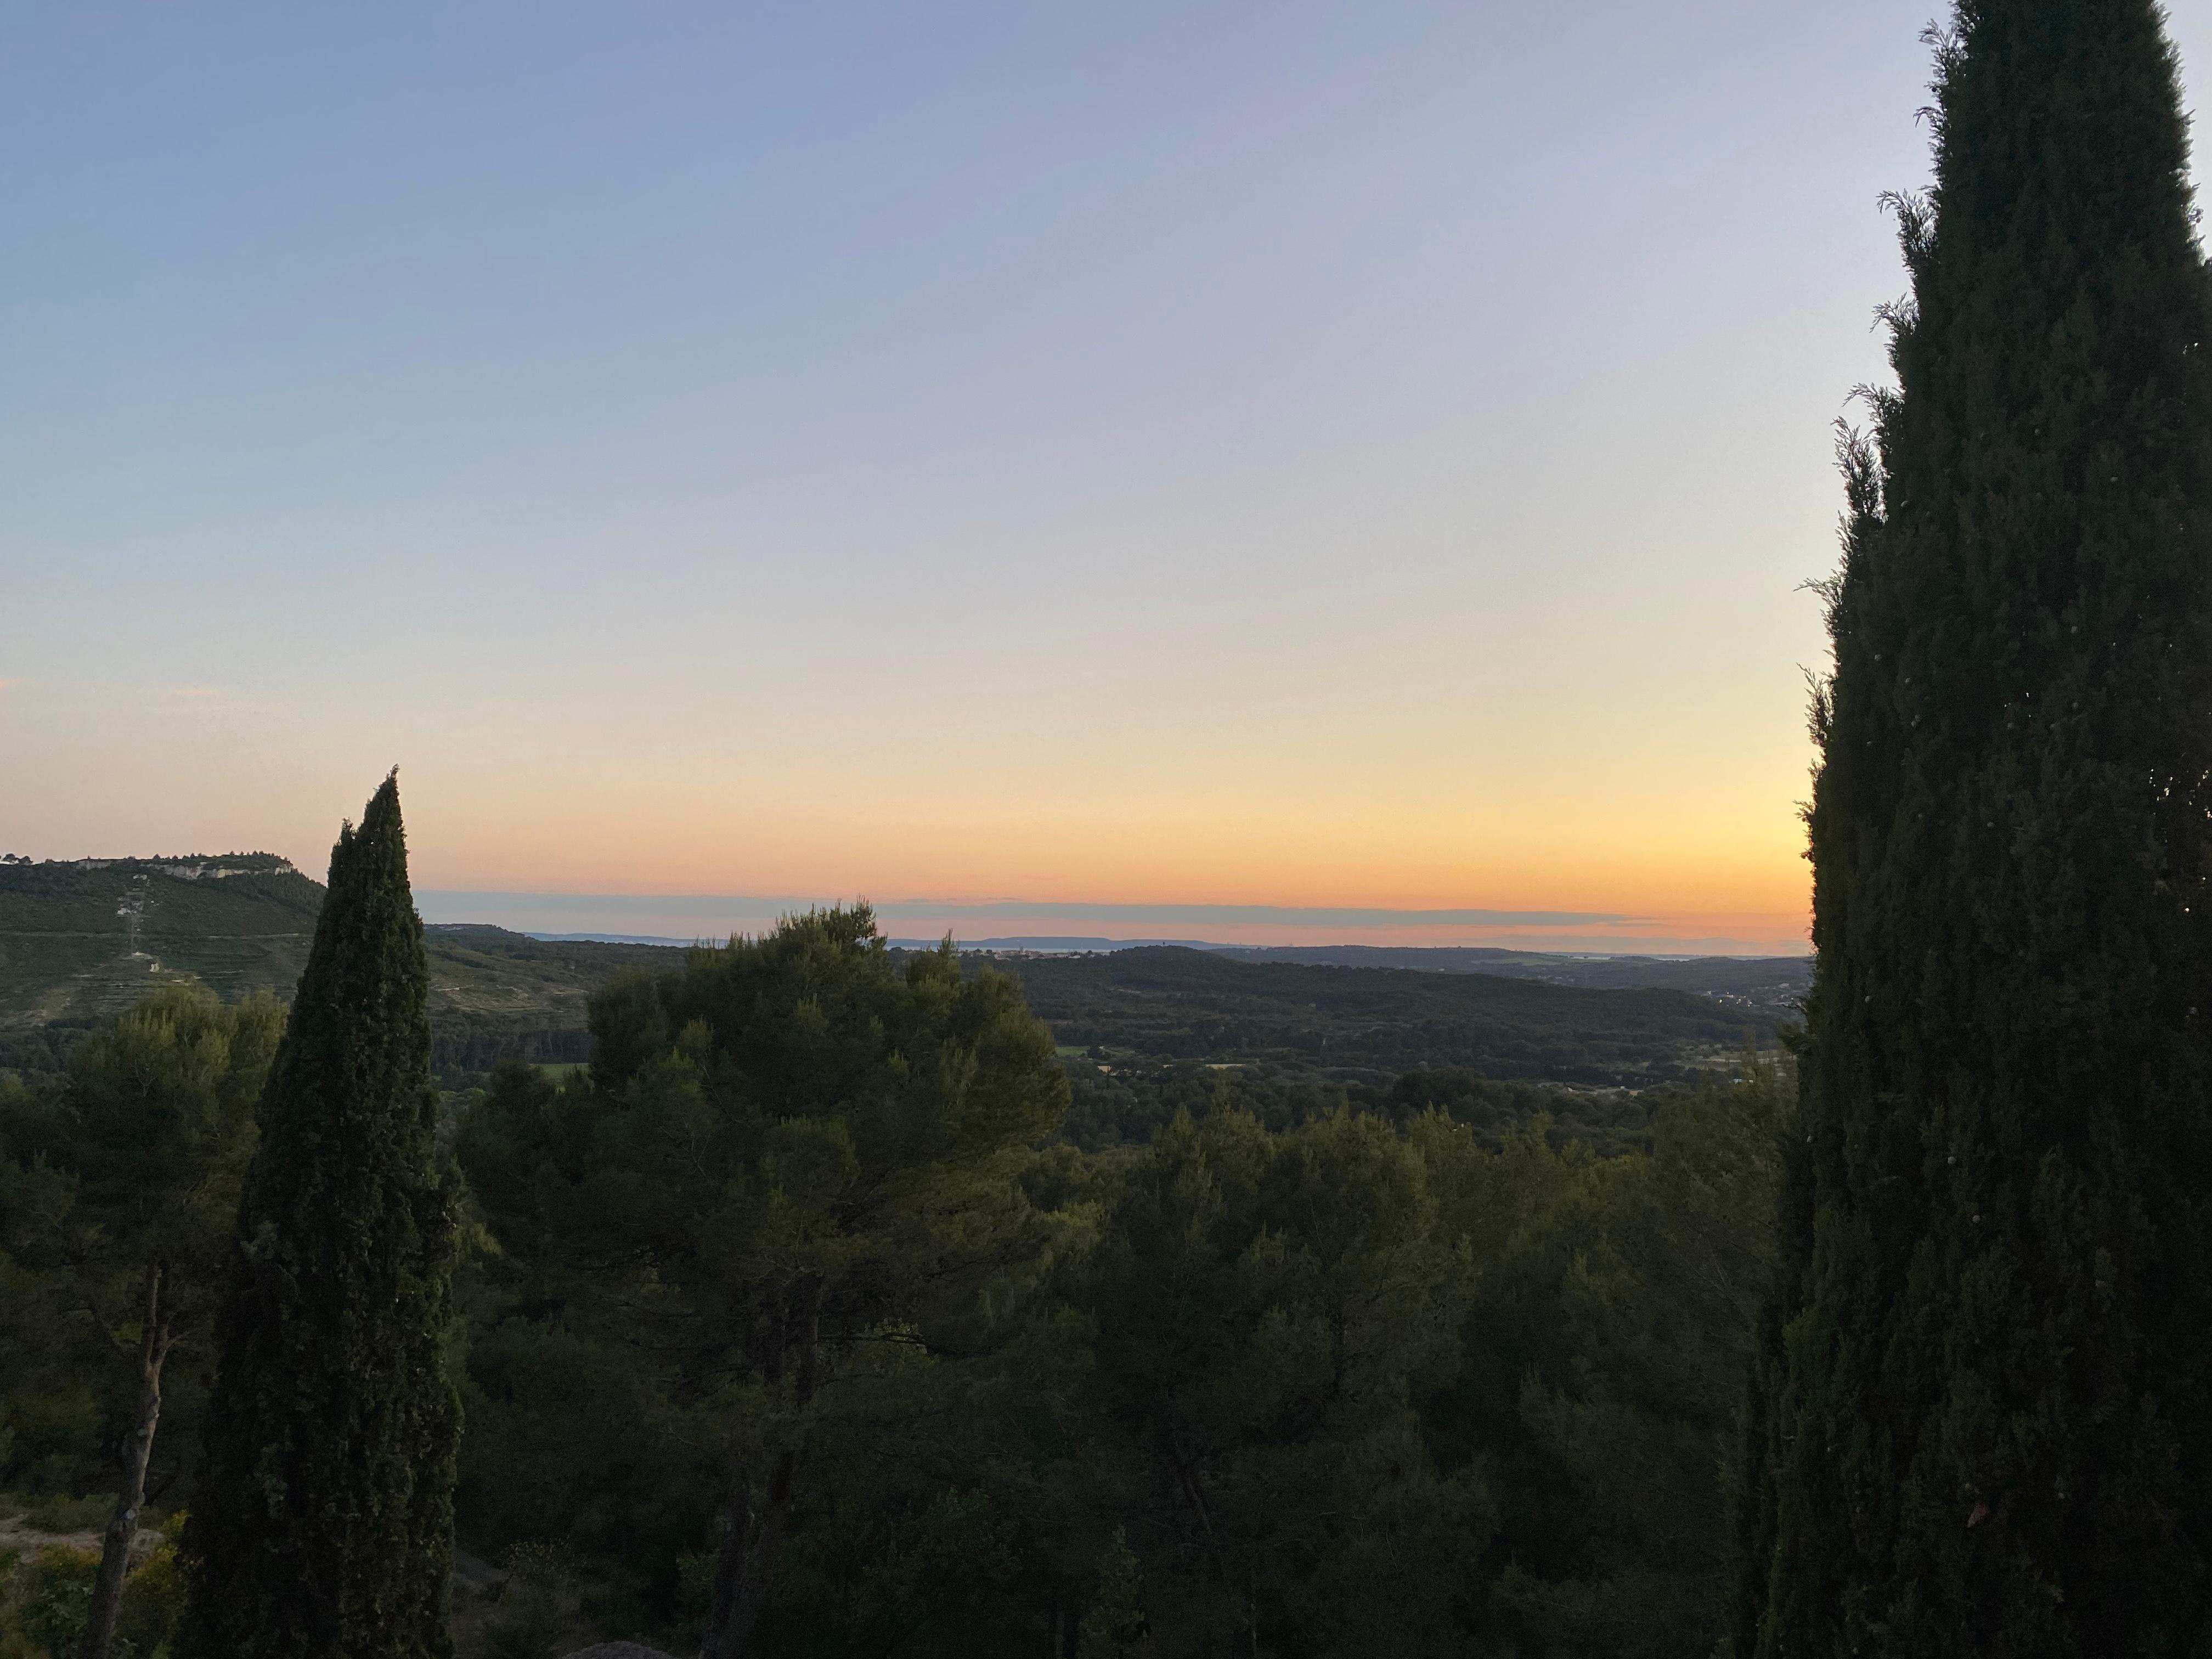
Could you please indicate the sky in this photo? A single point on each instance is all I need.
(1282, 472)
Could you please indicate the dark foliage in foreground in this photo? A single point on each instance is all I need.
(1984, 1420)
(1423, 1374)
(323, 1522)
(785, 1337)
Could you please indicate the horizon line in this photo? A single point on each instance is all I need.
(1134, 912)
(1058, 944)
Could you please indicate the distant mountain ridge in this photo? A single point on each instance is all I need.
(80, 941)
(1773, 986)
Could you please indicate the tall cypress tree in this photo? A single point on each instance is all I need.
(324, 1526)
(1984, 1423)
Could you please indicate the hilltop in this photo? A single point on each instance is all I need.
(82, 940)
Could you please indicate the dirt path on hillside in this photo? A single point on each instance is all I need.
(18, 1535)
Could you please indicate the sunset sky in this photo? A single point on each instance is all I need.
(1048, 468)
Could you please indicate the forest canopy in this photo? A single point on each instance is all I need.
(796, 1322)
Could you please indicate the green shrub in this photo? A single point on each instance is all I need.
(59, 1599)
(153, 1599)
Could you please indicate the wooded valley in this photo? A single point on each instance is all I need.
(1322, 1369)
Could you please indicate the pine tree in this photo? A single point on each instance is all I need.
(1115, 1627)
(322, 1528)
(1984, 1422)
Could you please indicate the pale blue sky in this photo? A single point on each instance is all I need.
(1286, 454)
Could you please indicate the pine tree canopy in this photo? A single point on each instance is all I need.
(323, 1529)
(1984, 1420)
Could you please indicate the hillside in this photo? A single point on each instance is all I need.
(494, 994)
(243, 922)
(1770, 987)
(1170, 1003)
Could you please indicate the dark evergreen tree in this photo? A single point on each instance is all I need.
(1115, 1627)
(324, 1525)
(1984, 1422)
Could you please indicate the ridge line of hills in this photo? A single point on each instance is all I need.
(81, 940)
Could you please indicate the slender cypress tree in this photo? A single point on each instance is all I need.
(1984, 1420)
(324, 1525)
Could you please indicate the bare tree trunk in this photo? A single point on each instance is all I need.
(122, 1527)
(729, 1564)
(751, 1549)
(752, 1546)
